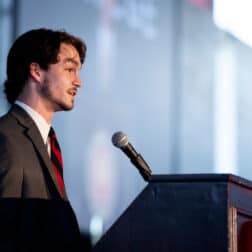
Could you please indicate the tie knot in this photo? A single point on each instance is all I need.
(53, 139)
(51, 133)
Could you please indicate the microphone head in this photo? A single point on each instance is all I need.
(120, 139)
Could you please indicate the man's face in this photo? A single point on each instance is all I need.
(61, 80)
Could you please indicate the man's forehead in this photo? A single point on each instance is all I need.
(68, 53)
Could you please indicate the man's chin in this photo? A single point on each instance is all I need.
(65, 107)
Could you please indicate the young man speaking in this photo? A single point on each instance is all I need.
(42, 78)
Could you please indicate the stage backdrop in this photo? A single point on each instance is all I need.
(162, 72)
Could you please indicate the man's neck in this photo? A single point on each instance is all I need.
(39, 108)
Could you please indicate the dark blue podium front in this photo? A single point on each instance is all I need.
(177, 213)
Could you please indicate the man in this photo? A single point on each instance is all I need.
(42, 78)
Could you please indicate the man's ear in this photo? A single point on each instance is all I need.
(36, 72)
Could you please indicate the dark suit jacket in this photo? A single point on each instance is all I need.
(25, 166)
(33, 216)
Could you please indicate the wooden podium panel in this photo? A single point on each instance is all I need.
(240, 201)
(177, 213)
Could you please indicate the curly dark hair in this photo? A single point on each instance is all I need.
(40, 46)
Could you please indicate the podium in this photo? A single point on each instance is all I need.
(184, 213)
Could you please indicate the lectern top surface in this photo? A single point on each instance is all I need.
(201, 178)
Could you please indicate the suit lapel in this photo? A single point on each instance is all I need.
(40, 147)
(32, 132)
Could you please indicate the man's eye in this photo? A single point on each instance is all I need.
(70, 70)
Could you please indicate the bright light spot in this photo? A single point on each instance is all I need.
(96, 228)
(234, 16)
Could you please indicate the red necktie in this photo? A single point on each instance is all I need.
(57, 162)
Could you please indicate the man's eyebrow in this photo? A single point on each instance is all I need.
(71, 60)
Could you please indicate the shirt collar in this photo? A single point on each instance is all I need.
(40, 122)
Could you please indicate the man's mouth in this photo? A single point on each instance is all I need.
(72, 92)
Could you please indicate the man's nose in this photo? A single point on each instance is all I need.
(77, 81)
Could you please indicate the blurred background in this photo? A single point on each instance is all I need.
(174, 75)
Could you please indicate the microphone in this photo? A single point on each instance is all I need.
(120, 140)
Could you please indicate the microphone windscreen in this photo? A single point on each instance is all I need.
(120, 139)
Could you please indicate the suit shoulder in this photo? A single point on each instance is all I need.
(8, 123)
